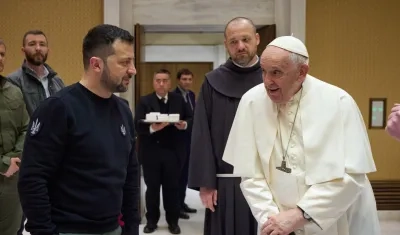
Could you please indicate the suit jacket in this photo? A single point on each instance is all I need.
(192, 98)
(149, 142)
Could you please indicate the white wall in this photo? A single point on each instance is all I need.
(111, 13)
(290, 18)
(189, 53)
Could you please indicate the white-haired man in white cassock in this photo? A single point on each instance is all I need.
(301, 147)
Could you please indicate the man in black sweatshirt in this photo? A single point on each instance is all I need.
(79, 169)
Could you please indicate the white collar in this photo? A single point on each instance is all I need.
(165, 97)
(247, 66)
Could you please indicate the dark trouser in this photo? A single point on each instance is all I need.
(22, 226)
(163, 171)
(10, 206)
(117, 231)
(183, 181)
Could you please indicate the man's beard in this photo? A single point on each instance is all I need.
(110, 84)
(31, 59)
(243, 60)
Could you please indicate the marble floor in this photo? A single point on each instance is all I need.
(390, 220)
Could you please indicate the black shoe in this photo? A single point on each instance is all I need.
(149, 228)
(174, 229)
(183, 215)
(187, 209)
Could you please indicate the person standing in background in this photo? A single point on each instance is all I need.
(36, 79)
(161, 150)
(13, 125)
(227, 211)
(185, 79)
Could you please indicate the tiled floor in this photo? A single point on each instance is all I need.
(390, 220)
(193, 226)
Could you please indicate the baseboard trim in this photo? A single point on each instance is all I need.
(387, 194)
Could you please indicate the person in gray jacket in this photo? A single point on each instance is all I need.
(36, 79)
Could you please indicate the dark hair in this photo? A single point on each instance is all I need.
(3, 43)
(98, 41)
(164, 71)
(183, 72)
(32, 32)
(237, 19)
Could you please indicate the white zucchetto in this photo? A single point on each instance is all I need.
(290, 43)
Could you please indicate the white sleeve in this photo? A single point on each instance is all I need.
(326, 202)
(259, 197)
(241, 152)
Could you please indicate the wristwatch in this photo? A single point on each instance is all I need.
(305, 215)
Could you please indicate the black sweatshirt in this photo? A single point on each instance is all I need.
(79, 168)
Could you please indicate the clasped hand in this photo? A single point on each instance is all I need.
(13, 168)
(283, 223)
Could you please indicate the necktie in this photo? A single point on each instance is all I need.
(189, 101)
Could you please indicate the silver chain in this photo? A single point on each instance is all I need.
(291, 131)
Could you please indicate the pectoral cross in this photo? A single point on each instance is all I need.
(284, 168)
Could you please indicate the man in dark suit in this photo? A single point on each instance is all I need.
(184, 84)
(161, 150)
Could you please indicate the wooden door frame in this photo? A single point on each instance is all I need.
(267, 34)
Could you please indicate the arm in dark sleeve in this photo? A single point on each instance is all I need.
(187, 114)
(140, 114)
(131, 193)
(43, 151)
(202, 165)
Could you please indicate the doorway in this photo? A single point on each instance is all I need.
(147, 69)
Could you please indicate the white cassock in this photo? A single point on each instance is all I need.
(329, 154)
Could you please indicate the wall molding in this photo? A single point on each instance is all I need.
(186, 53)
(387, 194)
(290, 18)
